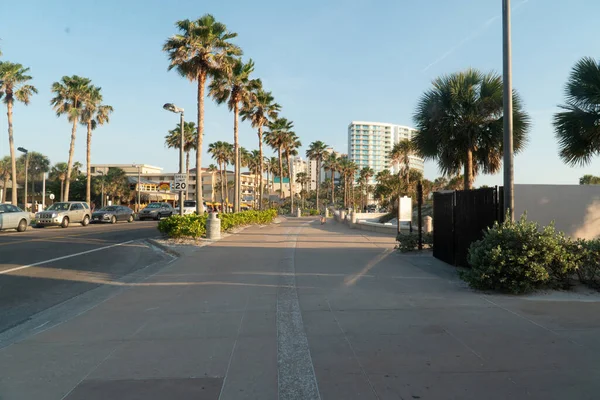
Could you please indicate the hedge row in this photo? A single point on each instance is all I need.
(520, 257)
(194, 226)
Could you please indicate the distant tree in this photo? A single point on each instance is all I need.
(277, 137)
(5, 171)
(589, 180)
(317, 151)
(59, 173)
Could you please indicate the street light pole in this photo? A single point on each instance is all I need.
(138, 188)
(102, 189)
(26, 152)
(181, 167)
(509, 201)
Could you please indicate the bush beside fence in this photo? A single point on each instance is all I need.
(194, 226)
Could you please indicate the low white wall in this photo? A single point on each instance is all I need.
(575, 209)
(369, 216)
(376, 227)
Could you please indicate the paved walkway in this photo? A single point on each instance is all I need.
(304, 311)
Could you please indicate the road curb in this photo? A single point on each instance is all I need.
(164, 248)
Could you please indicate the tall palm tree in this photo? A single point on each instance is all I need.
(173, 140)
(212, 169)
(365, 174)
(348, 171)
(276, 137)
(199, 51)
(14, 86)
(59, 173)
(291, 146)
(577, 126)
(400, 155)
(5, 172)
(459, 124)
(317, 151)
(94, 114)
(260, 111)
(332, 164)
(70, 96)
(233, 86)
(302, 179)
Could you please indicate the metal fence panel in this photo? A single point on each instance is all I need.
(443, 229)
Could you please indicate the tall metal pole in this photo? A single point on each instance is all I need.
(102, 189)
(181, 166)
(43, 191)
(26, 173)
(509, 201)
(139, 185)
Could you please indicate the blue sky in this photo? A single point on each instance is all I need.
(326, 62)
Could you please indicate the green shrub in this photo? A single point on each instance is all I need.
(194, 226)
(410, 241)
(588, 258)
(517, 257)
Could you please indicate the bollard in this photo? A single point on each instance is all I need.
(428, 224)
(298, 212)
(342, 215)
(213, 227)
(352, 219)
(326, 212)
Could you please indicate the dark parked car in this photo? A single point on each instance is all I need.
(156, 211)
(113, 214)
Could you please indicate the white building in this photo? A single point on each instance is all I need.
(370, 144)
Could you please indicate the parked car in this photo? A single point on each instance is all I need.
(64, 213)
(189, 207)
(113, 214)
(156, 211)
(12, 217)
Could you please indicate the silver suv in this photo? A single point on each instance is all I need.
(63, 213)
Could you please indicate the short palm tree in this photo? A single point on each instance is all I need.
(400, 155)
(317, 151)
(212, 169)
(272, 167)
(302, 179)
(348, 171)
(197, 53)
(577, 126)
(70, 96)
(59, 173)
(292, 144)
(260, 111)
(221, 152)
(365, 174)
(14, 86)
(173, 140)
(233, 86)
(277, 137)
(460, 124)
(5, 172)
(93, 115)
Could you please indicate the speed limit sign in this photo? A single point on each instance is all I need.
(180, 182)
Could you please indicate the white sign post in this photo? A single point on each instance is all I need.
(180, 183)
(404, 210)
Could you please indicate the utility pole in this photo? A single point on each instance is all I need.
(509, 200)
(181, 166)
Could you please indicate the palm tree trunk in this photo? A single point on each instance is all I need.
(222, 186)
(468, 175)
(70, 161)
(62, 189)
(333, 187)
(187, 172)
(318, 181)
(4, 186)
(280, 174)
(13, 158)
(289, 162)
(88, 168)
(199, 137)
(260, 167)
(236, 149)
(226, 205)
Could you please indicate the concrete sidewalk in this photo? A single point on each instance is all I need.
(304, 311)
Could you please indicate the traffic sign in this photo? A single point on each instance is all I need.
(180, 182)
(51, 196)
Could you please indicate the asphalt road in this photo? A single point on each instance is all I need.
(40, 268)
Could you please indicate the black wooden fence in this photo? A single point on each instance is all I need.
(460, 219)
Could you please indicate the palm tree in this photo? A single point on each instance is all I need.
(173, 140)
(317, 151)
(302, 179)
(291, 146)
(13, 86)
(439, 183)
(577, 126)
(233, 86)
(260, 111)
(459, 124)
(5, 172)
(212, 169)
(70, 96)
(400, 155)
(59, 173)
(273, 167)
(93, 115)
(197, 53)
(277, 137)
(365, 174)
(332, 163)
(222, 152)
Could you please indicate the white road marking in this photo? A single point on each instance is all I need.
(6, 271)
